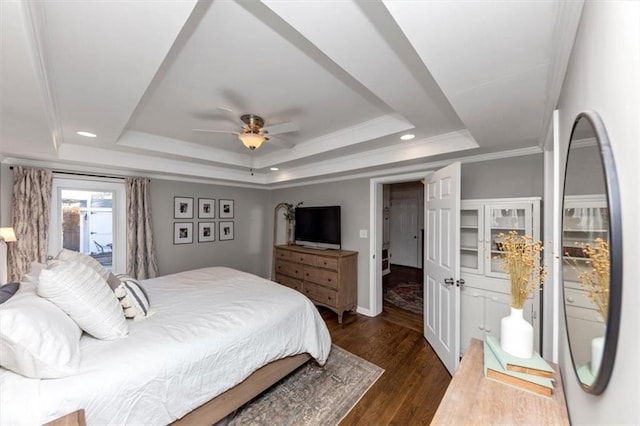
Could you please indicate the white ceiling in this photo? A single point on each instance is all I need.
(467, 78)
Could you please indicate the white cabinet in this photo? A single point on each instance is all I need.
(485, 296)
(585, 220)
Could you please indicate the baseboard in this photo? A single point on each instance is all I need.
(364, 311)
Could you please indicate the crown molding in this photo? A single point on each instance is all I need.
(36, 24)
(564, 35)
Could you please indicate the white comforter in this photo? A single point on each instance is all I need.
(213, 328)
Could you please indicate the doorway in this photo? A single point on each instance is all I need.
(402, 282)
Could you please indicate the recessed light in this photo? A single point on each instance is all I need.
(407, 137)
(86, 134)
(274, 169)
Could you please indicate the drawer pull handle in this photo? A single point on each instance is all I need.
(570, 299)
(329, 280)
(488, 330)
(481, 327)
(307, 274)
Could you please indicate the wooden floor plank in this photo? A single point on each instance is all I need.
(414, 380)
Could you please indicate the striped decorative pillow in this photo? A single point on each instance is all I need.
(132, 297)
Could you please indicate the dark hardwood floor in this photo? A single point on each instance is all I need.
(414, 380)
(402, 274)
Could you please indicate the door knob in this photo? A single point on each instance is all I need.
(448, 281)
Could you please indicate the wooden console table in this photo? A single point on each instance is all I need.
(472, 398)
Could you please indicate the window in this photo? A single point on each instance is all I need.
(89, 216)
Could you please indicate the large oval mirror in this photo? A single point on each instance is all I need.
(591, 253)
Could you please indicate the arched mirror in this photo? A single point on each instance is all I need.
(591, 253)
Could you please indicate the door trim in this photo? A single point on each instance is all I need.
(375, 242)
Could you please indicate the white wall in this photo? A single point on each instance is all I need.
(604, 76)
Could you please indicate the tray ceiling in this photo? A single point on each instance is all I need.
(465, 78)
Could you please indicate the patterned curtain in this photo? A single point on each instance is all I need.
(30, 216)
(141, 253)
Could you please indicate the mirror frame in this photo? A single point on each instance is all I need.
(615, 251)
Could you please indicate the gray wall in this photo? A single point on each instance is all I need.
(505, 177)
(353, 198)
(603, 76)
(247, 252)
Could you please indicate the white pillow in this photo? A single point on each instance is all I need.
(75, 256)
(133, 299)
(34, 272)
(37, 339)
(86, 297)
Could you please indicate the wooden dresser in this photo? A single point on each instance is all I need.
(328, 277)
(472, 398)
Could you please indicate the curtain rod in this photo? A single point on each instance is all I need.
(82, 174)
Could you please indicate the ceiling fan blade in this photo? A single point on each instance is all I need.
(215, 131)
(276, 129)
(231, 115)
(281, 143)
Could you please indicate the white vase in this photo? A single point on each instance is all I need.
(597, 347)
(516, 335)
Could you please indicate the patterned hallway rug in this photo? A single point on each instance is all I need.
(408, 296)
(312, 395)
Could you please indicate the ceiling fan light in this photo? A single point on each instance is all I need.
(251, 140)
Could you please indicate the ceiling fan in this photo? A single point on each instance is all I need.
(254, 132)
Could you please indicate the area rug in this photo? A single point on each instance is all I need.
(312, 395)
(408, 296)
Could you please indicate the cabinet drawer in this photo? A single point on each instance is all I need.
(327, 262)
(287, 268)
(283, 254)
(321, 276)
(307, 259)
(578, 298)
(321, 294)
(289, 282)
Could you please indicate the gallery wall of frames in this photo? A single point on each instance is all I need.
(213, 221)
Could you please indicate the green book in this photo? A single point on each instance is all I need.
(535, 365)
(584, 374)
(493, 370)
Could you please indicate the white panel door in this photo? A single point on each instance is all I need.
(404, 232)
(441, 270)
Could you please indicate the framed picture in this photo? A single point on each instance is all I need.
(226, 209)
(226, 231)
(206, 208)
(182, 208)
(182, 233)
(206, 232)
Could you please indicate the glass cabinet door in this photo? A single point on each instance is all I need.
(584, 222)
(471, 239)
(501, 219)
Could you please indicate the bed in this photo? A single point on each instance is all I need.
(217, 338)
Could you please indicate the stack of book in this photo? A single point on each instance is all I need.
(533, 374)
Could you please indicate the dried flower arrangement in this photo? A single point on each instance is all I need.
(595, 280)
(521, 260)
(290, 212)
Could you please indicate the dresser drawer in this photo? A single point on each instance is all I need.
(306, 258)
(283, 254)
(321, 294)
(289, 282)
(287, 268)
(327, 262)
(321, 276)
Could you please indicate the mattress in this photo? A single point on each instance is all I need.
(211, 329)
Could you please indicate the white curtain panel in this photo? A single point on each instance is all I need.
(30, 218)
(141, 252)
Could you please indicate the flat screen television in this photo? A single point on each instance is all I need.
(318, 227)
